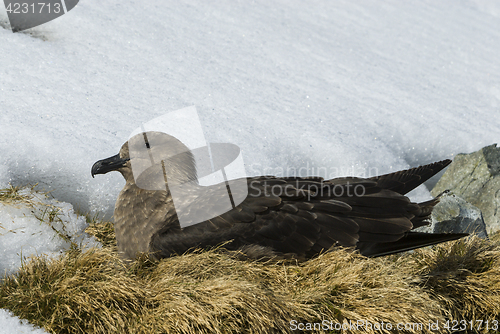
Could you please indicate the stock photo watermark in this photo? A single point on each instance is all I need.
(356, 169)
(170, 153)
(364, 326)
(25, 14)
(308, 190)
(359, 325)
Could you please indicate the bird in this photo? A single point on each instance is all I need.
(288, 217)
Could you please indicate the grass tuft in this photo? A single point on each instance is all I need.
(215, 291)
(464, 276)
(14, 194)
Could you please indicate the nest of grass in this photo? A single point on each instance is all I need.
(215, 291)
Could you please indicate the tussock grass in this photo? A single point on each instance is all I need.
(102, 230)
(463, 276)
(216, 291)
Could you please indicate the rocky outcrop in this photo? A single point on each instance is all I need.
(475, 178)
(454, 215)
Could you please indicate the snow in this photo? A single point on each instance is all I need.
(39, 225)
(12, 324)
(330, 88)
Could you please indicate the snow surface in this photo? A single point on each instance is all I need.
(344, 87)
(10, 324)
(38, 226)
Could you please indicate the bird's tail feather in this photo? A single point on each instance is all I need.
(411, 240)
(423, 214)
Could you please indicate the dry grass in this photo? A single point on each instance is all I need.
(463, 276)
(13, 195)
(215, 291)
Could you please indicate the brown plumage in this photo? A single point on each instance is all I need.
(287, 216)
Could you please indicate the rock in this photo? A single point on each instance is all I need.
(475, 177)
(454, 215)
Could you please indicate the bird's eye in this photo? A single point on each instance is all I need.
(146, 140)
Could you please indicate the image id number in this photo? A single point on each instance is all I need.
(34, 8)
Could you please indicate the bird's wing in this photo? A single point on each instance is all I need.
(406, 180)
(299, 216)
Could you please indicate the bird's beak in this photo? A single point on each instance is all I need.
(108, 165)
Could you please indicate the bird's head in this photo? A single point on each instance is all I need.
(149, 158)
